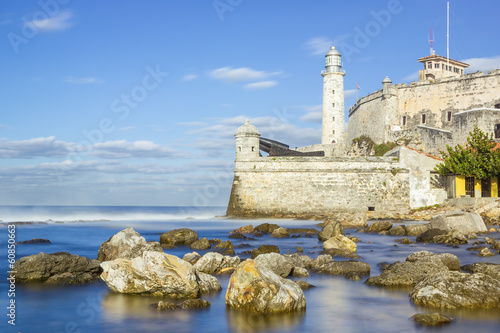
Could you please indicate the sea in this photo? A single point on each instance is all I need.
(336, 304)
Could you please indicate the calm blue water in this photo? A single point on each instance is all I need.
(336, 305)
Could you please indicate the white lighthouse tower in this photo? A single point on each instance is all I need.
(333, 129)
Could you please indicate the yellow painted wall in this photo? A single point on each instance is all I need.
(494, 187)
(460, 185)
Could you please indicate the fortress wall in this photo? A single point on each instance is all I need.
(464, 123)
(367, 118)
(287, 186)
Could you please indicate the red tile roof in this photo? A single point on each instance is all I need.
(426, 154)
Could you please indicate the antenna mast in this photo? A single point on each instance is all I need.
(431, 41)
(448, 35)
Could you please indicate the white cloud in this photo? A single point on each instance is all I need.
(82, 80)
(230, 74)
(126, 129)
(313, 114)
(349, 92)
(318, 45)
(482, 64)
(136, 149)
(37, 147)
(189, 77)
(61, 21)
(260, 85)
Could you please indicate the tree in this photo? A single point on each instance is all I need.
(477, 158)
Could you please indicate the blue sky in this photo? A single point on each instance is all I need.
(136, 102)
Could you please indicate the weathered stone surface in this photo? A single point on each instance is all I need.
(192, 257)
(452, 237)
(460, 221)
(349, 220)
(416, 229)
(155, 273)
(344, 268)
(485, 268)
(354, 239)
(34, 241)
(485, 253)
(399, 230)
(280, 233)
(416, 267)
(341, 253)
(265, 249)
(300, 272)
(57, 268)
(304, 285)
(266, 228)
(200, 244)
(319, 261)
(307, 231)
(214, 263)
(183, 236)
(330, 229)
(379, 226)
(340, 242)
(226, 248)
(208, 283)
(298, 260)
(279, 264)
(429, 234)
(239, 236)
(431, 319)
(188, 304)
(248, 229)
(403, 240)
(255, 288)
(455, 290)
(126, 244)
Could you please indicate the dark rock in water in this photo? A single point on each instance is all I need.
(280, 233)
(403, 240)
(304, 285)
(226, 248)
(428, 236)
(240, 236)
(455, 290)
(242, 245)
(245, 253)
(266, 228)
(162, 306)
(416, 229)
(186, 305)
(345, 268)
(310, 231)
(248, 229)
(183, 236)
(485, 268)
(265, 249)
(126, 244)
(35, 241)
(343, 253)
(385, 265)
(330, 229)
(485, 253)
(353, 276)
(215, 241)
(300, 249)
(431, 319)
(379, 226)
(399, 230)
(200, 244)
(57, 268)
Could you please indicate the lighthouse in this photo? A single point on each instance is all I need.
(333, 122)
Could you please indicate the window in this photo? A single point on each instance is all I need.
(239, 148)
(497, 134)
(333, 118)
(333, 104)
(448, 115)
(423, 119)
(486, 188)
(436, 65)
(469, 186)
(429, 65)
(333, 91)
(497, 106)
(404, 121)
(462, 71)
(333, 132)
(253, 148)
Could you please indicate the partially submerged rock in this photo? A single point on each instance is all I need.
(485, 268)
(266, 228)
(344, 268)
(330, 229)
(183, 236)
(379, 226)
(56, 268)
(265, 249)
(215, 263)
(431, 319)
(255, 288)
(126, 244)
(455, 290)
(248, 229)
(279, 264)
(280, 233)
(157, 274)
(463, 222)
(201, 244)
(226, 248)
(340, 242)
(442, 237)
(416, 229)
(188, 304)
(34, 241)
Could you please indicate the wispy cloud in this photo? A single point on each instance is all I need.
(318, 45)
(349, 92)
(189, 77)
(260, 85)
(81, 80)
(61, 21)
(313, 113)
(482, 64)
(411, 77)
(241, 74)
(136, 149)
(37, 147)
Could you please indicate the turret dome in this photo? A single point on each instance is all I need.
(247, 129)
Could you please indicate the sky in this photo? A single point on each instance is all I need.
(121, 102)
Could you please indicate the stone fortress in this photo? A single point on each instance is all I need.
(422, 117)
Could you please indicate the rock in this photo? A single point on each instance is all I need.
(248, 229)
(265, 249)
(342, 253)
(416, 229)
(183, 236)
(403, 240)
(344, 268)
(330, 229)
(157, 274)
(349, 220)
(298, 260)
(214, 263)
(215, 241)
(188, 304)
(460, 221)
(452, 237)
(300, 272)
(304, 285)
(379, 226)
(280, 233)
(200, 244)
(34, 241)
(266, 228)
(208, 283)
(126, 244)
(276, 262)
(431, 319)
(226, 248)
(416, 267)
(455, 290)
(192, 257)
(399, 230)
(239, 236)
(307, 231)
(162, 306)
(428, 236)
(255, 288)
(354, 239)
(319, 261)
(485, 253)
(340, 242)
(495, 246)
(485, 268)
(56, 268)
(300, 249)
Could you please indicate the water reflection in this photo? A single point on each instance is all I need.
(247, 322)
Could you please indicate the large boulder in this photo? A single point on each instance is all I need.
(347, 267)
(256, 288)
(463, 222)
(200, 244)
(379, 226)
(215, 263)
(442, 237)
(183, 236)
(265, 249)
(298, 260)
(416, 229)
(157, 274)
(266, 228)
(56, 268)
(455, 290)
(485, 268)
(431, 319)
(279, 264)
(340, 242)
(330, 229)
(416, 267)
(126, 244)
